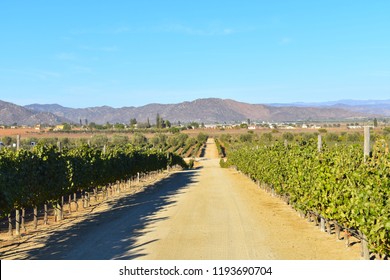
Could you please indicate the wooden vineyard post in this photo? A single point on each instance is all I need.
(316, 219)
(10, 232)
(328, 228)
(322, 224)
(70, 203)
(17, 142)
(59, 145)
(337, 230)
(366, 142)
(56, 214)
(23, 225)
(62, 208)
(75, 201)
(35, 217)
(86, 199)
(346, 237)
(83, 199)
(365, 252)
(319, 144)
(319, 148)
(17, 222)
(45, 214)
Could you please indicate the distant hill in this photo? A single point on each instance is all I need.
(374, 107)
(209, 110)
(11, 113)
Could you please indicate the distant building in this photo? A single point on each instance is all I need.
(58, 127)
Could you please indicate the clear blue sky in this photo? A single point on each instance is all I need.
(130, 53)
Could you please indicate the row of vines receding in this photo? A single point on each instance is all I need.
(336, 183)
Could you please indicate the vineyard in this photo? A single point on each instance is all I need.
(335, 185)
(45, 174)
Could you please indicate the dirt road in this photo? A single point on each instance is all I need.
(206, 213)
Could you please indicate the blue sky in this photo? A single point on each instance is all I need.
(131, 53)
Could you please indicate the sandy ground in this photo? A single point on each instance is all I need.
(206, 213)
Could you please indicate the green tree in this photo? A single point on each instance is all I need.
(158, 121)
(148, 123)
(133, 122)
(119, 126)
(66, 126)
(375, 122)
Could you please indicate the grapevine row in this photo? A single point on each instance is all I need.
(32, 178)
(336, 183)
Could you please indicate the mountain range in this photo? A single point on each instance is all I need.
(208, 110)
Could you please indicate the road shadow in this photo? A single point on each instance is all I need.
(113, 234)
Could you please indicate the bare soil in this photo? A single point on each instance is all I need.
(206, 213)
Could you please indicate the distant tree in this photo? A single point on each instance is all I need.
(375, 122)
(162, 123)
(133, 122)
(119, 126)
(108, 125)
(66, 126)
(148, 123)
(92, 125)
(158, 121)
